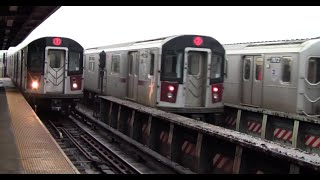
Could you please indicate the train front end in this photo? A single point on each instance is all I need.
(55, 73)
(191, 78)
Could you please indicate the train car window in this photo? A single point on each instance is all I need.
(136, 71)
(314, 70)
(91, 66)
(151, 72)
(91, 63)
(286, 70)
(131, 55)
(226, 68)
(247, 69)
(194, 60)
(259, 64)
(56, 58)
(36, 59)
(172, 65)
(74, 61)
(216, 64)
(115, 63)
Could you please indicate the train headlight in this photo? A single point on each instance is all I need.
(74, 85)
(170, 95)
(35, 85)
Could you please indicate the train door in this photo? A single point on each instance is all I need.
(252, 80)
(196, 77)
(54, 70)
(133, 72)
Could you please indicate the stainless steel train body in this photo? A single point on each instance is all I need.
(182, 74)
(282, 75)
(49, 71)
(3, 57)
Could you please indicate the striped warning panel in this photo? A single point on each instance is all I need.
(282, 134)
(223, 163)
(254, 127)
(164, 136)
(230, 121)
(312, 141)
(188, 148)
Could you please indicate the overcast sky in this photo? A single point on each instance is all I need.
(103, 25)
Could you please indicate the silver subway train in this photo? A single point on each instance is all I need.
(3, 55)
(181, 74)
(280, 75)
(49, 72)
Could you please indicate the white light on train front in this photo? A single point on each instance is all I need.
(35, 85)
(74, 85)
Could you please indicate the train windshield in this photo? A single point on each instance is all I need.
(35, 60)
(216, 65)
(314, 70)
(74, 62)
(172, 65)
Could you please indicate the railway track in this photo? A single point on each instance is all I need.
(92, 152)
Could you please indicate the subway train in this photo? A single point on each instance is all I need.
(49, 72)
(277, 75)
(181, 74)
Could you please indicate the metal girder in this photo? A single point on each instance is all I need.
(17, 22)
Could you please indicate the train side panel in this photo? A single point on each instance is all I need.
(116, 79)
(148, 73)
(233, 78)
(280, 92)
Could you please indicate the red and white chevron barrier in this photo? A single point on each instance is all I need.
(164, 136)
(312, 141)
(254, 127)
(223, 163)
(230, 121)
(283, 134)
(188, 148)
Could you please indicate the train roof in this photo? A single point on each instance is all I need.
(151, 43)
(44, 38)
(293, 45)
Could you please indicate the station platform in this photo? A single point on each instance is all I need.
(26, 146)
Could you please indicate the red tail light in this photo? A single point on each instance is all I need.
(169, 91)
(75, 83)
(217, 90)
